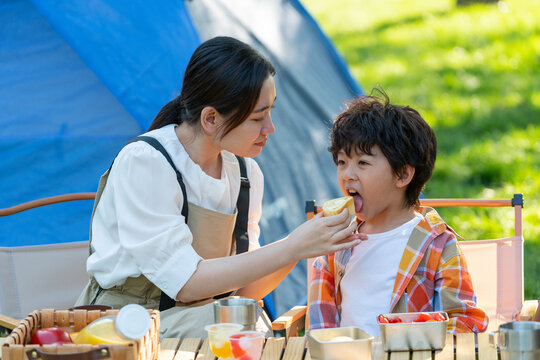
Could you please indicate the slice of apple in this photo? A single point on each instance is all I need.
(336, 206)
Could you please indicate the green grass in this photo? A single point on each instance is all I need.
(473, 72)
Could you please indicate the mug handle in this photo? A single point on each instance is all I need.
(494, 340)
(261, 314)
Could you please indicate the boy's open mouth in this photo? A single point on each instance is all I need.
(358, 201)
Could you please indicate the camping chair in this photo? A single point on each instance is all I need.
(18, 298)
(23, 288)
(496, 267)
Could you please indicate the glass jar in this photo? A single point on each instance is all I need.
(131, 323)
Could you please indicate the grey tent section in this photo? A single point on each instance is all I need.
(312, 84)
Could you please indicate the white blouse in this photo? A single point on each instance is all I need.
(138, 227)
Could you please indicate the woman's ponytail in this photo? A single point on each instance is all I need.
(171, 113)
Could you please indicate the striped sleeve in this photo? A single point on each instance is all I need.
(322, 308)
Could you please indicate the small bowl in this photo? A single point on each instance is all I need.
(408, 335)
(346, 343)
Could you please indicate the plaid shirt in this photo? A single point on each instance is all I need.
(432, 276)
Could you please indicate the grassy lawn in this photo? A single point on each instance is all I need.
(473, 72)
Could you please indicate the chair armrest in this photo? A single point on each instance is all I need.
(290, 323)
(537, 314)
(8, 323)
(47, 201)
(528, 310)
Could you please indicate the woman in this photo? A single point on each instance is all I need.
(143, 250)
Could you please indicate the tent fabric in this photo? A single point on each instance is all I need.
(78, 79)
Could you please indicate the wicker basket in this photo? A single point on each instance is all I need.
(17, 344)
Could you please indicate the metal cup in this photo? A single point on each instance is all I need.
(518, 340)
(237, 310)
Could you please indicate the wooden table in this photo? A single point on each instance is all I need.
(463, 346)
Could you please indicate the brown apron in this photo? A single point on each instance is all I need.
(209, 242)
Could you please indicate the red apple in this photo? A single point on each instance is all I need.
(51, 336)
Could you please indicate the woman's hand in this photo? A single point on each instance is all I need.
(325, 235)
(260, 270)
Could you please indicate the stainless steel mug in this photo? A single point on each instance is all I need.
(236, 309)
(517, 340)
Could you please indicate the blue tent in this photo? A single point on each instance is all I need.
(80, 78)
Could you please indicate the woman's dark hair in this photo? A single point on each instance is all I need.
(224, 73)
(402, 134)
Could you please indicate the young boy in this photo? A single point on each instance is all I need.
(411, 261)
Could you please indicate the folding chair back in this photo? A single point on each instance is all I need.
(496, 265)
(42, 276)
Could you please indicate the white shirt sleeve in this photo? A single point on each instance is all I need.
(139, 213)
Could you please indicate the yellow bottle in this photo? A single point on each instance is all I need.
(131, 323)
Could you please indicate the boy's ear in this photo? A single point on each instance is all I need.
(405, 176)
(209, 119)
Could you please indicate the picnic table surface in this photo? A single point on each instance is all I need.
(462, 346)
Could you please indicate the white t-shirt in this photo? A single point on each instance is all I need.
(369, 276)
(138, 227)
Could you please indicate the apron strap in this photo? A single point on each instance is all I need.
(240, 228)
(157, 145)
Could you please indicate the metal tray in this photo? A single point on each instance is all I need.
(322, 347)
(413, 336)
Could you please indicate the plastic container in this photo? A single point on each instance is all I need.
(247, 345)
(218, 337)
(131, 323)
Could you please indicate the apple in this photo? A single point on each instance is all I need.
(51, 336)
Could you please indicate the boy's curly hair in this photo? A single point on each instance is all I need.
(402, 134)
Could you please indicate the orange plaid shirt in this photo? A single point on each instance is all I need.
(432, 274)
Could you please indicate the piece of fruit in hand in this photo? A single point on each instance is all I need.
(336, 206)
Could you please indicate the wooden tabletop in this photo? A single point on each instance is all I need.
(464, 346)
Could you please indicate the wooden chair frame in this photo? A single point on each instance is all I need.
(47, 201)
